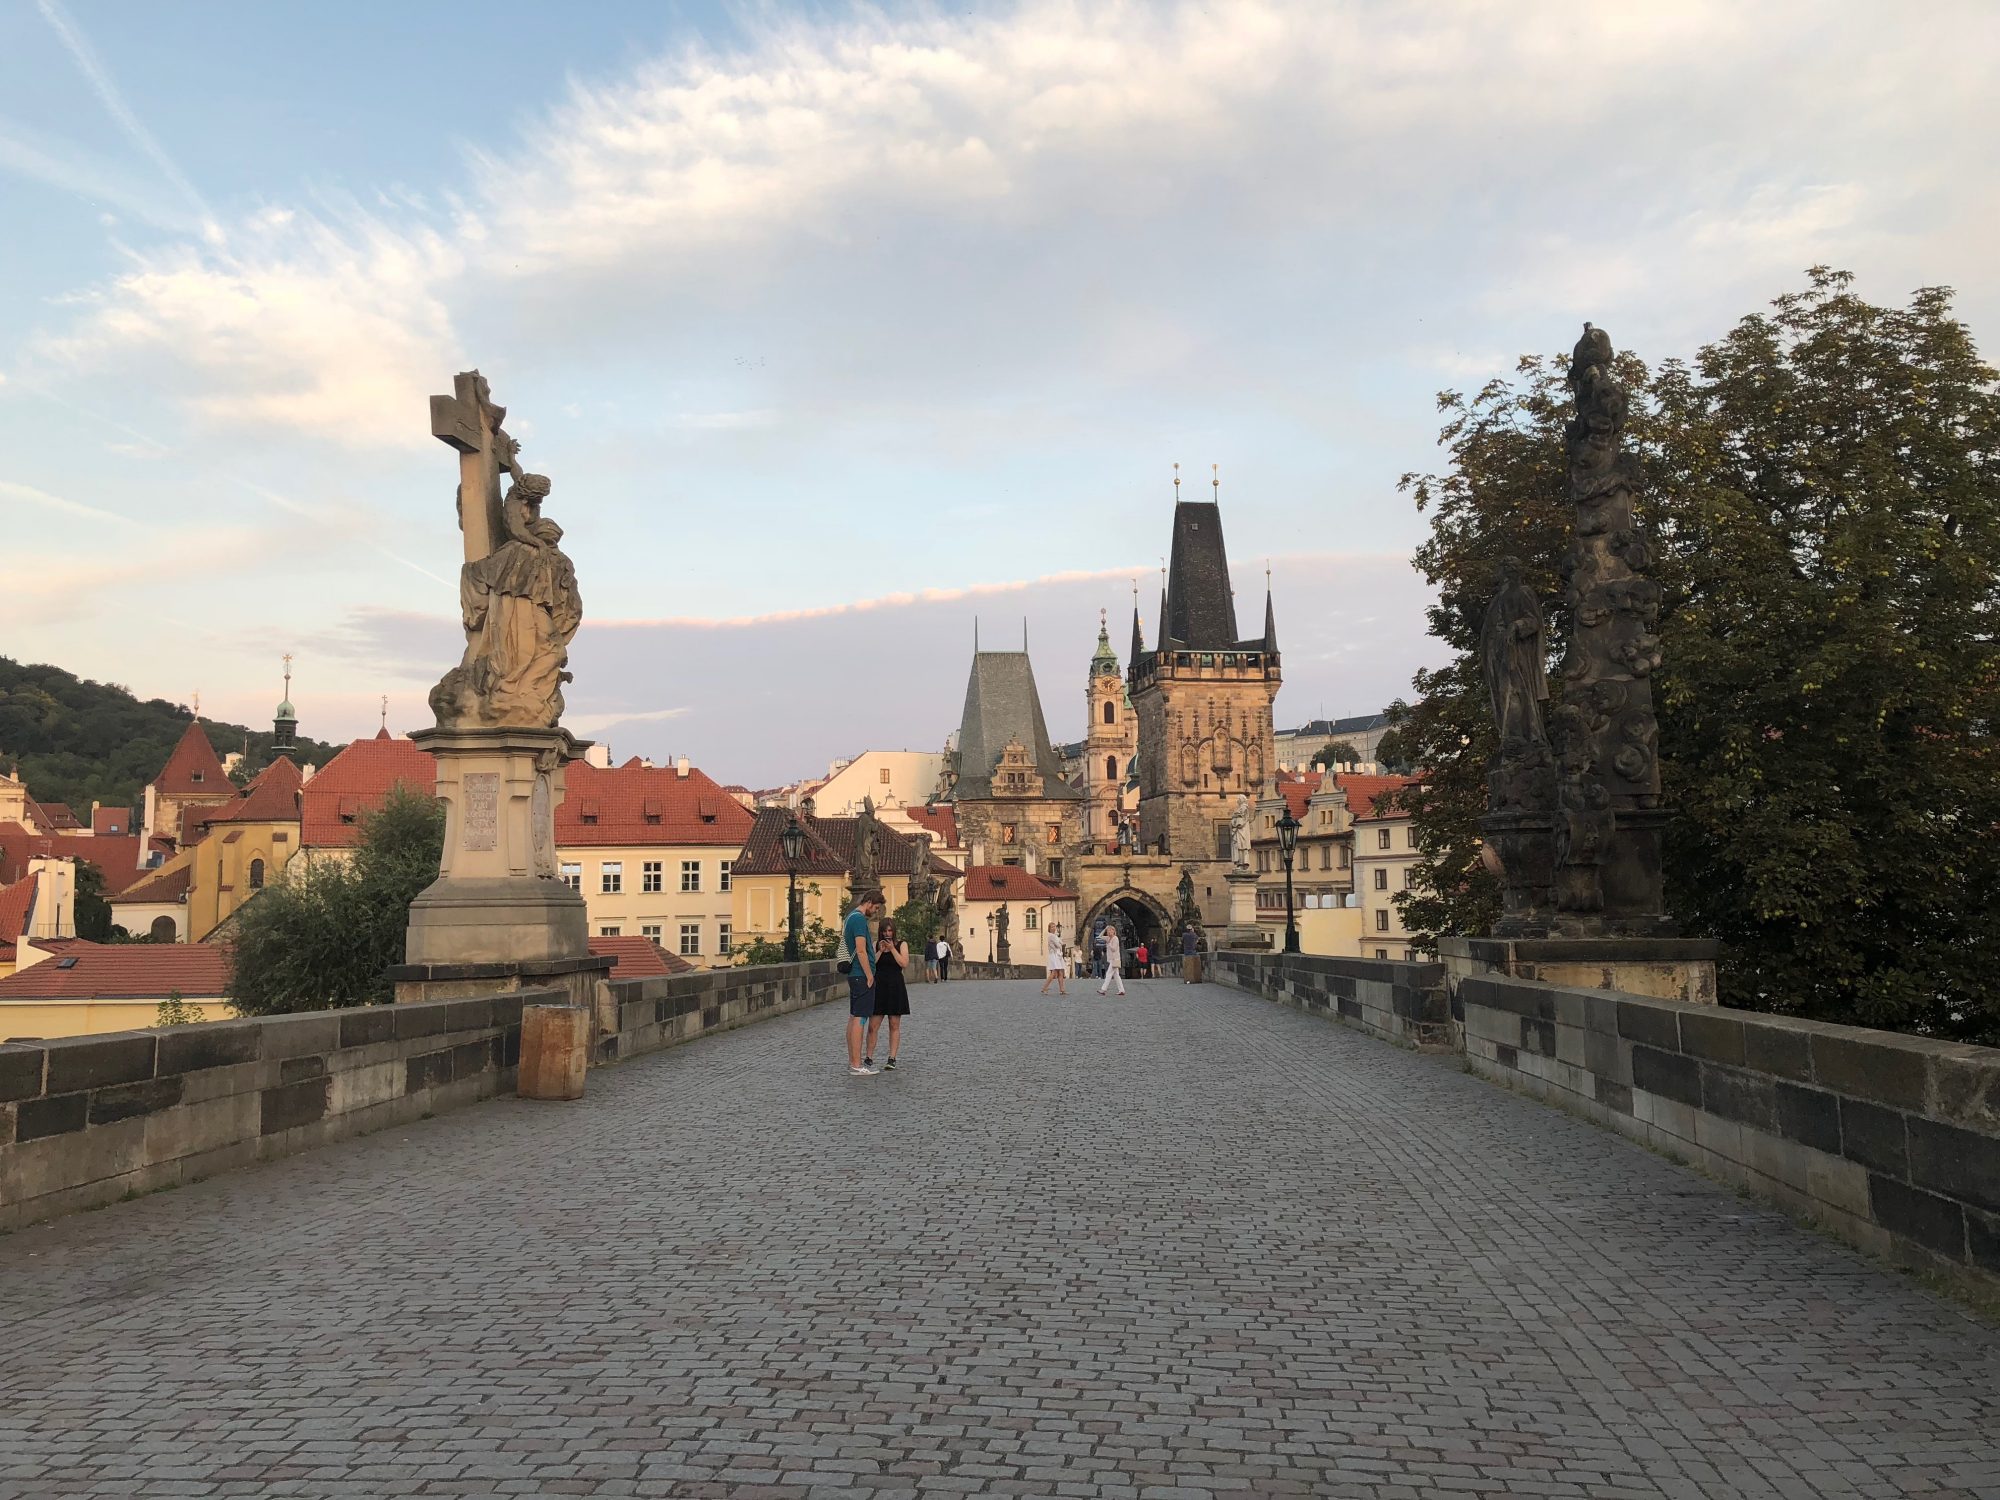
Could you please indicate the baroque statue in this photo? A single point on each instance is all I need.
(517, 592)
(1239, 834)
(1513, 658)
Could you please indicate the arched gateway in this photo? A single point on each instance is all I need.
(1140, 918)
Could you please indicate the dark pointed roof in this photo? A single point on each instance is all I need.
(1270, 623)
(1138, 635)
(1200, 609)
(1001, 704)
(193, 753)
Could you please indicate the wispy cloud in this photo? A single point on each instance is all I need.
(28, 495)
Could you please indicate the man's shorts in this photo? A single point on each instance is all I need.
(860, 996)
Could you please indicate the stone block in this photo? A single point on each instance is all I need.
(426, 1070)
(224, 1158)
(297, 1035)
(1572, 1009)
(58, 1162)
(202, 1129)
(507, 1008)
(1982, 1240)
(1666, 1074)
(1782, 1160)
(1668, 1117)
(1840, 1184)
(90, 1062)
(1733, 1094)
(1573, 1044)
(1936, 1223)
(1722, 1137)
(1658, 1026)
(6, 1125)
(373, 1023)
(212, 1044)
(125, 1101)
(1809, 1116)
(291, 1105)
(1538, 1036)
(1877, 1138)
(1508, 1057)
(470, 1059)
(357, 1088)
(21, 1070)
(469, 1015)
(53, 1114)
(1872, 1066)
(1965, 1084)
(1778, 1047)
(292, 1069)
(421, 1018)
(1712, 1037)
(1954, 1162)
(1613, 1096)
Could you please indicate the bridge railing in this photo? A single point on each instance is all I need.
(88, 1120)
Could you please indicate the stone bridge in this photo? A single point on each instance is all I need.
(1181, 1244)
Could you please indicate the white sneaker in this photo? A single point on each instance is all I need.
(861, 1072)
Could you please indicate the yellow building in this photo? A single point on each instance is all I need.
(823, 871)
(1328, 906)
(1033, 905)
(238, 848)
(70, 987)
(1385, 850)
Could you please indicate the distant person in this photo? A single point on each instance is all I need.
(944, 960)
(1097, 954)
(1058, 963)
(892, 994)
(1190, 956)
(1113, 962)
(855, 952)
(930, 961)
(1142, 962)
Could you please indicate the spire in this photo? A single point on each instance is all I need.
(1270, 617)
(975, 635)
(385, 713)
(1138, 635)
(1105, 660)
(1177, 482)
(1024, 632)
(1216, 482)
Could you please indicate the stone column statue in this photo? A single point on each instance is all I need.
(1000, 920)
(1239, 834)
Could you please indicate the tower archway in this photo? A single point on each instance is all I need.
(1139, 918)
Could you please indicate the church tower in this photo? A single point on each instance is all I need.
(1203, 696)
(1110, 740)
(285, 722)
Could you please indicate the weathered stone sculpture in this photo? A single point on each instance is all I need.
(499, 744)
(1608, 821)
(1001, 953)
(1239, 834)
(1520, 777)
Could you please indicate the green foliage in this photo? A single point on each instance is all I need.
(917, 923)
(93, 912)
(325, 935)
(1335, 753)
(80, 742)
(816, 939)
(1825, 496)
(174, 1011)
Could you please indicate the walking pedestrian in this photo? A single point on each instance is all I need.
(1058, 963)
(1190, 956)
(856, 954)
(1112, 966)
(944, 960)
(892, 994)
(1141, 961)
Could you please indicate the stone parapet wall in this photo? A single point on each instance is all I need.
(1399, 1002)
(85, 1121)
(1891, 1142)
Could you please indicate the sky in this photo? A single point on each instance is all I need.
(839, 327)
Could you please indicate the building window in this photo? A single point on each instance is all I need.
(1326, 856)
(614, 930)
(612, 874)
(690, 874)
(571, 876)
(722, 884)
(1110, 765)
(1409, 835)
(1032, 920)
(1055, 835)
(690, 940)
(1409, 955)
(1381, 920)
(256, 874)
(1054, 869)
(1346, 857)
(1110, 712)
(725, 938)
(1381, 838)
(1381, 880)
(883, 775)
(1406, 877)
(1381, 952)
(195, 776)
(649, 876)
(650, 930)
(1007, 833)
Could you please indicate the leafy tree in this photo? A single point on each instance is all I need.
(917, 922)
(93, 912)
(174, 1011)
(1825, 495)
(816, 939)
(325, 935)
(1335, 753)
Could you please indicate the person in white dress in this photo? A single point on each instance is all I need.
(1113, 965)
(1058, 964)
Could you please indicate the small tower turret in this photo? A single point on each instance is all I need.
(285, 722)
(1111, 739)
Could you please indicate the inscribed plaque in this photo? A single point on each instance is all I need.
(482, 809)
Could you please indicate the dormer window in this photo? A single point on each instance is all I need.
(195, 775)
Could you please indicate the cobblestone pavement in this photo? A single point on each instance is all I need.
(1182, 1244)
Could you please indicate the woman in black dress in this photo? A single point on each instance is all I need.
(892, 995)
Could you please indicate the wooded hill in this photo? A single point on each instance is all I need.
(79, 742)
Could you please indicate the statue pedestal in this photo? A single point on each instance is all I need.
(497, 918)
(1522, 846)
(1663, 968)
(1244, 931)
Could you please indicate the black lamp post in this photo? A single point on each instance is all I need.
(1288, 848)
(991, 940)
(793, 842)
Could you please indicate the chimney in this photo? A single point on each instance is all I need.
(681, 768)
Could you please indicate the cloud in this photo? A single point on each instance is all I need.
(28, 495)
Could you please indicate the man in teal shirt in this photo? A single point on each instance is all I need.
(857, 948)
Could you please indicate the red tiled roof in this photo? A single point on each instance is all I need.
(1363, 790)
(941, 823)
(121, 971)
(115, 857)
(356, 781)
(60, 817)
(1298, 789)
(638, 957)
(112, 820)
(272, 798)
(170, 884)
(15, 902)
(193, 753)
(1009, 883)
(638, 804)
(762, 854)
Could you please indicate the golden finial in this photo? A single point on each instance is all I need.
(288, 674)
(1177, 482)
(385, 710)
(1216, 470)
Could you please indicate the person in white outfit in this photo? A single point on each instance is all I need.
(1058, 964)
(1113, 969)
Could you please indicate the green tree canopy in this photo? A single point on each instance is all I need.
(1825, 495)
(325, 935)
(1335, 753)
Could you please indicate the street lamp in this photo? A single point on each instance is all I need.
(990, 938)
(793, 842)
(1288, 848)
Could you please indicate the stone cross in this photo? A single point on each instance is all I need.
(470, 422)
